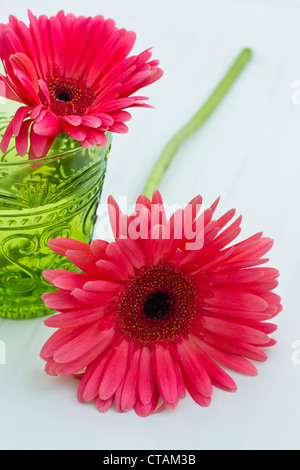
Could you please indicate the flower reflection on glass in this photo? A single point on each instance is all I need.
(161, 309)
(72, 75)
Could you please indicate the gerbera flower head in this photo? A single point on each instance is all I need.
(161, 309)
(72, 75)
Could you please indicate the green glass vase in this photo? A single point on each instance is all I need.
(51, 197)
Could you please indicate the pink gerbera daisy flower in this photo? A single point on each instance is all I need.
(151, 316)
(71, 75)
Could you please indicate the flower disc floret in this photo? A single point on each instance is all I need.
(67, 96)
(158, 304)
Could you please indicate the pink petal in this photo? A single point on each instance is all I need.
(62, 245)
(98, 248)
(271, 298)
(194, 369)
(70, 281)
(38, 43)
(118, 44)
(165, 375)
(145, 410)
(73, 120)
(120, 116)
(115, 371)
(50, 367)
(6, 90)
(39, 144)
(7, 137)
(23, 86)
(18, 119)
(58, 339)
(135, 82)
(49, 125)
(238, 347)
(200, 399)
(76, 318)
(232, 277)
(236, 300)
(224, 219)
(145, 377)
(47, 145)
(58, 40)
(115, 254)
(119, 127)
(102, 286)
(263, 285)
(96, 137)
(79, 345)
(25, 64)
(257, 250)
(112, 271)
(84, 261)
(142, 202)
(103, 405)
(77, 39)
(229, 329)
(89, 354)
(232, 361)
(92, 298)
(217, 375)
(133, 251)
(43, 86)
(89, 385)
(51, 274)
(238, 314)
(114, 105)
(91, 121)
(76, 366)
(225, 238)
(22, 138)
(180, 379)
(76, 132)
(61, 300)
(129, 393)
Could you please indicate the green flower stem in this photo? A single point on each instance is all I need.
(197, 120)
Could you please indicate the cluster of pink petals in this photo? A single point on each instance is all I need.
(228, 329)
(88, 53)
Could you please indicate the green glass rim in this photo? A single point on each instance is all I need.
(50, 158)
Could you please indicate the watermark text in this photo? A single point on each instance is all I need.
(155, 221)
(2, 352)
(296, 352)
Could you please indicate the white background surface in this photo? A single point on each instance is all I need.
(249, 153)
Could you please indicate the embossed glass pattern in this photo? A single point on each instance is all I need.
(56, 196)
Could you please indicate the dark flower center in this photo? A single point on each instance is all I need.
(64, 95)
(157, 304)
(67, 96)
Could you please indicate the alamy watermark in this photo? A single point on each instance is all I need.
(296, 353)
(162, 221)
(2, 93)
(2, 352)
(296, 93)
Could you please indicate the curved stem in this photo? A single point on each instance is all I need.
(195, 122)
